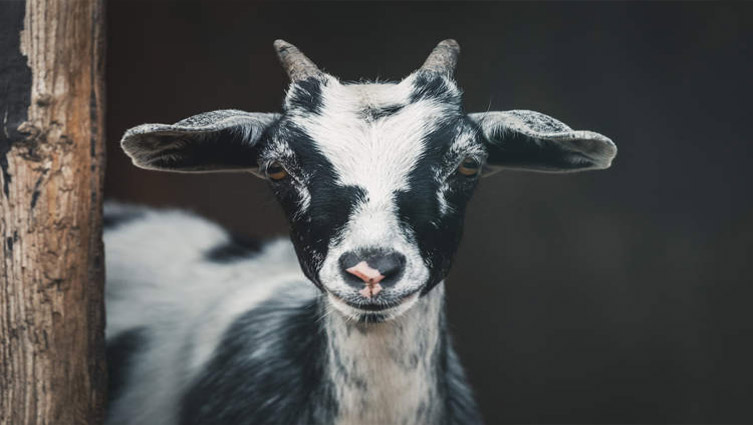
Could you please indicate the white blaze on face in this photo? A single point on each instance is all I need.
(377, 156)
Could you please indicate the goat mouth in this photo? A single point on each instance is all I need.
(375, 306)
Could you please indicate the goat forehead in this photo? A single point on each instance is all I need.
(368, 94)
(374, 134)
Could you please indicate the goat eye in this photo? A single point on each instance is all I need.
(275, 171)
(469, 167)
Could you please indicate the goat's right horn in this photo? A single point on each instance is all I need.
(443, 58)
(295, 63)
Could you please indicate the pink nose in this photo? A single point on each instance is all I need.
(365, 273)
(371, 277)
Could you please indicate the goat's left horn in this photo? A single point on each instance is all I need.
(443, 58)
(296, 64)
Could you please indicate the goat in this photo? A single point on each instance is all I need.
(374, 178)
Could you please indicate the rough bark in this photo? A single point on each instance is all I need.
(52, 368)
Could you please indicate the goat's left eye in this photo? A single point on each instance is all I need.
(469, 167)
(275, 171)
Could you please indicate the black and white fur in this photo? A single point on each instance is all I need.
(208, 328)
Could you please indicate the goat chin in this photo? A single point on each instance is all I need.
(372, 315)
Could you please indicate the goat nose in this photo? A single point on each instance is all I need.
(374, 269)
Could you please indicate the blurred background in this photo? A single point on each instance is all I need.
(619, 296)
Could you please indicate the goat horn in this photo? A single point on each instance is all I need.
(443, 58)
(296, 64)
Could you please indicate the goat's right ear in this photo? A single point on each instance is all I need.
(224, 140)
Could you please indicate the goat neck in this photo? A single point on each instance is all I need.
(388, 372)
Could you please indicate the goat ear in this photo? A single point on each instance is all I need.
(528, 140)
(222, 140)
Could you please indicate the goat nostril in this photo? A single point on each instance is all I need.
(389, 265)
(390, 269)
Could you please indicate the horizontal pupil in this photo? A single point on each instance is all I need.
(470, 163)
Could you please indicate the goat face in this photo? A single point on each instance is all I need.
(372, 185)
(373, 177)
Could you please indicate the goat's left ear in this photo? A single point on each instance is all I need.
(528, 140)
(224, 140)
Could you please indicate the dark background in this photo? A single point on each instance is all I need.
(605, 297)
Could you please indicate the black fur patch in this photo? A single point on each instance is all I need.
(428, 85)
(269, 368)
(114, 219)
(377, 113)
(330, 207)
(238, 247)
(120, 352)
(437, 235)
(306, 95)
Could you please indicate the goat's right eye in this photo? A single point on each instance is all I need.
(275, 171)
(469, 167)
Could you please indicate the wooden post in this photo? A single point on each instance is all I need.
(52, 367)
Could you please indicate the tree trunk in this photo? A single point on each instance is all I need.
(52, 367)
